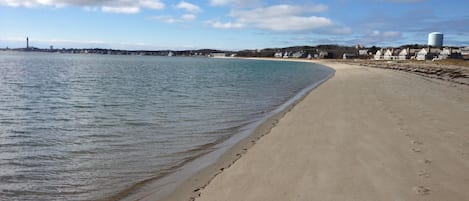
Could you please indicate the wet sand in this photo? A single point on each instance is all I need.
(366, 134)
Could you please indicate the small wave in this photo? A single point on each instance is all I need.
(84, 106)
(23, 108)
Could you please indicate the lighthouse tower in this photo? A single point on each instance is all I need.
(27, 43)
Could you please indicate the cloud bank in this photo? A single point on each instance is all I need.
(278, 18)
(112, 6)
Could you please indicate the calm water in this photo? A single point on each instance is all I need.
(83, 127)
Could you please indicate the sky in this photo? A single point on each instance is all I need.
(229, 24)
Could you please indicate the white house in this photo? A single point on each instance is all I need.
(363, 52)
(404, 54)
(388, 54)
(278, 55)
(379, 55)
(422, 54)
(445, 53)
(427, 54)
(217, 55)
(465, 53)
(323, 54)
(348, 56)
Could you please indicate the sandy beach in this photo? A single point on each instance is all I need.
(366, 134)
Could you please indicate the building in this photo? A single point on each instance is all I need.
(390, 54)
(435, 39)
(278, 55)
(363, 52)
(404, 54)
(325, 55)
(349, 56)
(299, 54)
(379, 55)
(445, 53)
(407, 53)
(427, 54)
(218, 55)
(465, 53)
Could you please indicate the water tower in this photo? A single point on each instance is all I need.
(435, 39)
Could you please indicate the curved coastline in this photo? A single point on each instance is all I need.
(197, 172)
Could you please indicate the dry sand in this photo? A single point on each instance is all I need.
(366, 134)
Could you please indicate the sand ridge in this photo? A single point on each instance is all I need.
(366, 134)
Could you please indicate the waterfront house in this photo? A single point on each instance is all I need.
(348, 56)
(465, 53)
(428, 54)
(218, 55)
(422, 54)
(379, 55)
(445, 53)
(324, 55)
(450, 53)
(278, 55)
(363, 52)
(407, 53)
(299, 54)
(388, 54)
(404, 54)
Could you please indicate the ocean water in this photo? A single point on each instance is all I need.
(86, 127)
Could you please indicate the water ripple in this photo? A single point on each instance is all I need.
(84, 127)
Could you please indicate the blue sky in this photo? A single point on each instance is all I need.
(229, 24)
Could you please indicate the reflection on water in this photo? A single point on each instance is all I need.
(81, 127)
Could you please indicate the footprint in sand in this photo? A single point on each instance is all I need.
(422, 190)
(423, 173)
(416, 150)
(465, 144)
(417, 142)
(448, 134)
(426, 161)
(462, 153)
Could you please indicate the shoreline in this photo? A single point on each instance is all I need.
(365, 134)
(195, 187)
(222, 156)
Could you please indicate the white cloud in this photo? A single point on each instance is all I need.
(278, 11)
(226, 25)
(166, 19)
(189, 7)
(402, 1)
(379, 37)
(188, 17)
(340, 30)
(391, 34)
(124, 10)
(170, 19)
(294, 23)
(114, 6)
(236, 3)
(220, 2)
(286, 18)
(386, 34)
(152, 4)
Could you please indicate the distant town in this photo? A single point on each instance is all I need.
(434, 50)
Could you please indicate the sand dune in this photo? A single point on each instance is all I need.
(366, 134)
